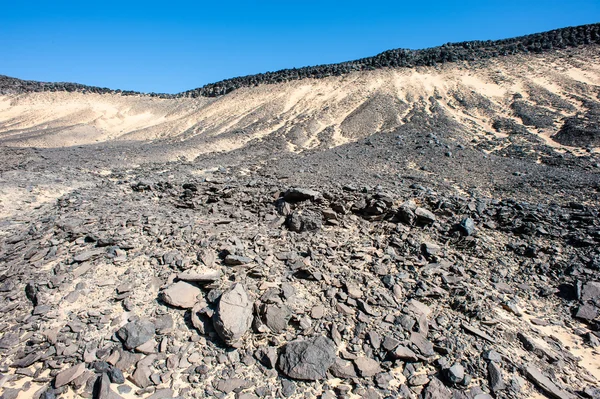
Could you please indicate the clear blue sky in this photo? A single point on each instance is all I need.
(171, 46)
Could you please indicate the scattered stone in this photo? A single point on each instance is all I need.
(367, 367)
(455, 374)
(233, 317)
(495, 377)
(136, 333)
(476, 331)
(545, 384)
(68, 375)
(232, 384)
(343, 369)
(87, 255)
(276, 317)
(116, 375)
(301, 194)
(200, 276)
(236, 260)
(436, 390)
(307, 359)
(424, 216)
(467, 226)
(181, 294)
(403, 353)
(422, 343)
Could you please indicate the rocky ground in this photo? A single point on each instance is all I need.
(332, 273)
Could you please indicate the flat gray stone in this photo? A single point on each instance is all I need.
(87, 255)
(436, 390)
(367, 367)
(200, 276)
(476, 331)
(236, 260)
(403, 353)
(276, 317)
(181, 295)
(68, 375)
(424, 215)
(297, 194)
(422, 343)
(590, 291)
(534, 375)
(343, 369)
(495, 377)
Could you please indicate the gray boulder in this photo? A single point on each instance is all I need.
(234, 314)
(307, 359)
(135, 333)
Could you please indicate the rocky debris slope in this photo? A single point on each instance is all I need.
(236, 284)
(398, 58)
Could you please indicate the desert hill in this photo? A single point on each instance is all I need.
(550, 95)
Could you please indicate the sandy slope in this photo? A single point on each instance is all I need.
(307, 113)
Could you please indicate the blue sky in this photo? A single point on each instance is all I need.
(171, 46)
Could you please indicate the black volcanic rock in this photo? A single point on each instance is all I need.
(581, 130)
(398, 58)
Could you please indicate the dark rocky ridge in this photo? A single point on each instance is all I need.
(398, 58)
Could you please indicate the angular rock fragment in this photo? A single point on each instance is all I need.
(200, 275)
(68, 375)
(276, 317)
(455, 374)
(307, 359)
(495, 377)
(367, 367)
(301, 194)
(424, 216)
(587, 312)
(181, 294)
(136, 333)
(591, 291)
(403, 353)
(236, 260)
(422, 343)
(234, 314)
(467, 226)
(436, 390)
(343, 369)
(102, 388)
(545, 384)
(304, 221)
(476, 331)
